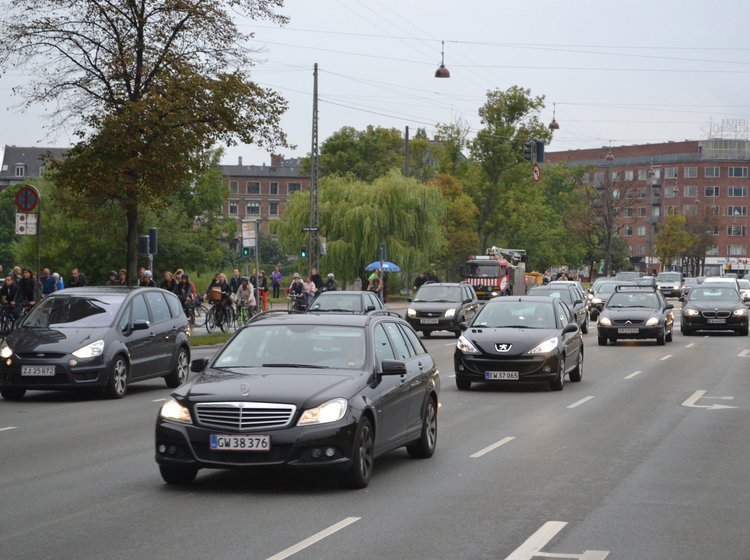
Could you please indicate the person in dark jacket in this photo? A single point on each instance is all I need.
(9, 295)
(77, 279)
(27, 289)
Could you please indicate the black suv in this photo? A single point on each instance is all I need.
(442, 306)
(338, 301)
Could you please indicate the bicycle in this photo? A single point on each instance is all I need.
(196, 314)
(243, 316)
(7, 320)
(296, 302)
(219, 316)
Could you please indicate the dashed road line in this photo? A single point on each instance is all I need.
(632, 375)
(8, 428)
(492, 447)
(159, 400)
(579, 403)
(665, 357)
(690, 345)
(317, 537)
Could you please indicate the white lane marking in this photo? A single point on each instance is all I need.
(532, 547)
(314, 539)
(159, 400)
(632, 375)
(665, 357)
(744, 354)
(492, 447)
(452, 375)
(8, 428)
(579, 403)
(450, 344)
(690, 345)
(692, 399)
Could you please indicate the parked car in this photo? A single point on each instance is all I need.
(322, 391)
(714, 306)
(341, 301)
(517, 340)
(97, 338)
(442, 306)
(671, 284)
(635, 312)
(571, 297)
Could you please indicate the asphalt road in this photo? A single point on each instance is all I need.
(646, 458)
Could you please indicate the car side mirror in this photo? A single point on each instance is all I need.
(669, 306)
(467, 300)
(198, 364)
(570, 328)
(408, 299)
(369, 308)
(141, 325)
(463, 326)
(393, 367)
(578, 301)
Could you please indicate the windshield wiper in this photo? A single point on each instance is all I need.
(296, 366)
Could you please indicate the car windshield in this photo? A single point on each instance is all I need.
(489, 269)
(693, 281)
(713, 293)
(61, 311)
(633, 299)
(606, 288)
(330, 301)
(298, 346)
(627, 275)
(744, 283)
(438, 293)
(517, 314)
(668, 277)
(564, 295)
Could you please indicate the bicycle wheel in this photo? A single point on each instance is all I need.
(199, 316)
(230, 319)
(210, 320)
(241, 318)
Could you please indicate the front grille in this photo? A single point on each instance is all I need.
(244, 416)
(432, 314)
(716, 314)
(627, 322)
(41, 355)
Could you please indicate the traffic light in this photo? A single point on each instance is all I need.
(539, 151)
(529, 150)
(303, 251)
(246, 251)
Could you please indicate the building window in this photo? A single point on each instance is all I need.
(641, 249)
(655, 211)
(273, 188)
(738, 172)
(736, 250)
(691, 192)
(233, 187)
(253, 209)
(627, 231)
(641, 193)
(20, 170)
(711, 172)
(627, 212)
(690, 173)
(670, 192)
(670, 173)
(713, 251)
(294, 187)
(713, 230)
(737, 192)
(712, 211)
(734, 230)
(629, 175)
(670, 210)
(253, 187)
(273, 208)
(710, 192)
(642, 231)
(233, 208)
(642, 174)
(690, 210)
(641, 211)
(736, 210)
(615, 175)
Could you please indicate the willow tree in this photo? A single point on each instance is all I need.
(148, 85)
(355, 217)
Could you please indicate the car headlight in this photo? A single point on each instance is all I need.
(331, 411)
(450, 313)
(605, 321)
(739, 312)
(691, 312)
(494, 293)
(5, 351)
(411, 312)
(547, 346)
(596, 300)
(465, 346)
(652, 321)
(90, 350)
(172, 410)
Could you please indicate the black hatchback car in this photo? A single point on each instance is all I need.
(342, 301)
(636, 312)
(326, 391)
(97, 338)
(515, 340)
(442, 306)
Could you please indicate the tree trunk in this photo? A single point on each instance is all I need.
(131, 212)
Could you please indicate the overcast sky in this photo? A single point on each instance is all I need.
(618, 72)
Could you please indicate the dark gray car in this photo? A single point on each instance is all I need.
(442, 306)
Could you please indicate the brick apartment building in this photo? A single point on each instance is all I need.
(691, 177)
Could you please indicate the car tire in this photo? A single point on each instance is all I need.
(576, 375)
(463, 383)
(181, 371)
(661, 338)
(424, 447)
(426, 334)
(686, 331)
(363, 456)
(179, 476)
(743, 331)
(13, 393)
(602, 340)
(557, 384)
(668, 336)
(458, 333)
(585, 326)
(117, 383)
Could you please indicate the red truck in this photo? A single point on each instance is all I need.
(500, 272)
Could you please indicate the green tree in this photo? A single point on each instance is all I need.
(460, 219)
(149, 85)
(362, 154)
(673, 241)
(355, 217)
(8, 228)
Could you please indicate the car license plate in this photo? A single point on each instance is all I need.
(428, 321)
(716, 321)
(628, 330)
(221, 442)
(38, 370)
(501, 375)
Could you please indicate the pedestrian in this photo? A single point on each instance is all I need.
(147, 279)
(310, 289)
(315, 277)
(59, 283)
(77, 279)
(122, 277)
(433, 277)
(169, 283)
(419, 280)
(276, 279)
(235, 280)
(263, 289)
(373, 282)
(47, 281)
(112, 280)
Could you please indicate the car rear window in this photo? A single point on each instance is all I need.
(336, 302)
(61, 311)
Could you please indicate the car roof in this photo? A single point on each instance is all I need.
(342, 293)
(312, 318)
(516, 299)
(99, 290)
(445, 284)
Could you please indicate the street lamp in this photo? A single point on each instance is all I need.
(442, 72)
(554, 125)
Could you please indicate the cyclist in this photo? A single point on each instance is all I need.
(112, 280)
(246, 304)
(330, 283)
(297, 292)
(8, 296)
(186, 294)
(218, 293)
(169, 283)
(27, 290)
(147, 279)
